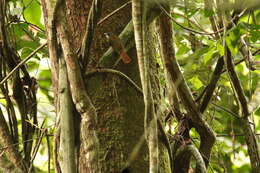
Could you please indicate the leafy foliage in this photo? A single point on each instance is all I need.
(199, 64)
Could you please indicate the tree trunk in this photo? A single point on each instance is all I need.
(118, 103)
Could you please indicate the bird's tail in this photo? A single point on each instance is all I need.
(126, 59)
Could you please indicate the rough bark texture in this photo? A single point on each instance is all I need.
(119, 106)
(67, 135)
(139, 11)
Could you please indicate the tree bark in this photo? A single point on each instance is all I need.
(118, 103)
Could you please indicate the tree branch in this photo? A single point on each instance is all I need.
(22, 63)
(67, 135)
(11, 151)
(206, 133)
(139, 14)
(94, 15)
(193, 151)
(83, 103)
(249, 135)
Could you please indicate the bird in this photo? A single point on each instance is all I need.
(116, 43)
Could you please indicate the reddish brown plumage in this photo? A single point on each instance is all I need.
(118, 46)
(126, 59)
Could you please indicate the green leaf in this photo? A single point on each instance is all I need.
(24, 38)
(198, 53)
(233, 36)
(220, 49)
(19, 29)
(255, 36)
(45, 79)
(33, 13)
(196, 82)
(33, 65)
(209, 54)
(183, 49)
(253, 26)
(257, 16)
(27, 49)
(192, 12)
(208, 13)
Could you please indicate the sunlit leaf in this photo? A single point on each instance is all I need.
(32, 12)
(196, 82)
(209, 54)
(233, 36)
(183, 49)
(45, 78)
(220, 49)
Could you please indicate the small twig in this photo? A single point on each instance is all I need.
(22, 62)
(223, 71)
(236, 63)
(114, 12)
(188, 29)
(229, 112)
(18, 143)
(191, 21)
(36, 126)
(247, 54)
(229, 135)
(226, 110)
(93, 16)
(36, 149)
(49, 151)
(198, 32)
(31, 24)
(256, 52)
(202, 94)
(235, 81)
(106, 70)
